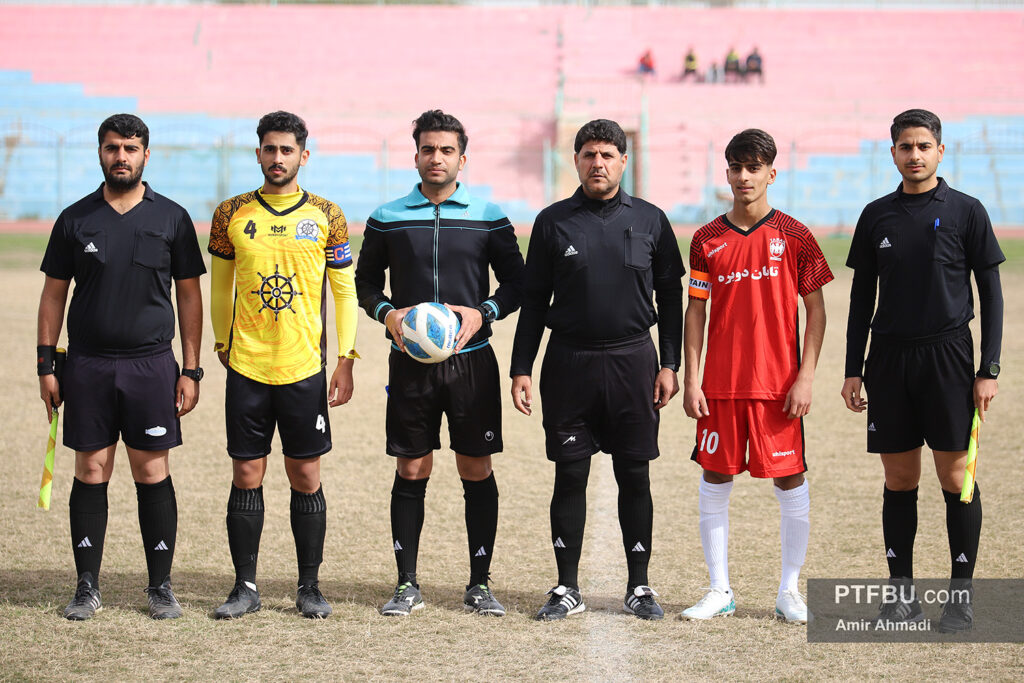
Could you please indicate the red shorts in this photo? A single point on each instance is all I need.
(776, 442)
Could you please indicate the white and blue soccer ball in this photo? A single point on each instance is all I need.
(428, 331)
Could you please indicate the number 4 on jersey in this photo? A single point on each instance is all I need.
(250, 229)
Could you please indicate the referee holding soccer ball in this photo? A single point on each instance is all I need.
(602, 254)
(439, 244)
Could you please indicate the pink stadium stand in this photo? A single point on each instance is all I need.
(832, 77)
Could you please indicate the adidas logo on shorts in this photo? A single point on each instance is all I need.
(571, 251)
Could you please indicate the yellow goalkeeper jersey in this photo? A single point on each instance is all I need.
(282, 247)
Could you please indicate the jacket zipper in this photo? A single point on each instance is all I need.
(437, 230)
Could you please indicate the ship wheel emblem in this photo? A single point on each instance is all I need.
(276, 292)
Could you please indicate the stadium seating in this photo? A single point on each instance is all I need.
(201, 75)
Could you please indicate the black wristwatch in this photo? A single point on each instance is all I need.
(196, 374)
(989, 371)
(487, 312)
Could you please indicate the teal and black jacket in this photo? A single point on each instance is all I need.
(440, 252)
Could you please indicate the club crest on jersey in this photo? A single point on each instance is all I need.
(776, 246)
(307, 229)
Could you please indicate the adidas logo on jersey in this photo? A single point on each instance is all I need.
(91, 248)
(885, 243)
(962, 558)
(890, 553)
(481, 552)
(559, 543)
(571, 251)
(638, 548)
(161, 546)
(871, 427)
(85, 543)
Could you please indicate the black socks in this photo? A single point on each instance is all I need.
(158, 521)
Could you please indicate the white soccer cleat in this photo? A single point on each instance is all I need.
(790, 606)
(715, 603)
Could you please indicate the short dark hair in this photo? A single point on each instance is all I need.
(753, 144)
(916, 118)
(436, 120)
(602, 130)
(283, 122)
(127, 126)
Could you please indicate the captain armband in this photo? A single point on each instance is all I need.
(700, 285)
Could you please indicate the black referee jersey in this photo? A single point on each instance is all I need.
(592, 270)
(921, 250)
(122, 265)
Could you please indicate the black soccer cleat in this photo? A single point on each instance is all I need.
(86, 601)
(404, 602)
(563, 602)
(958, 612)
(243, 599)
(480, 599)
(162, 603)
(640, 603)
(311, 602)
(900, 609)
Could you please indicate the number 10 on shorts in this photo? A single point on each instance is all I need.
(708, 442)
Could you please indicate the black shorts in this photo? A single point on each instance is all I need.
(600, 398)
(299, 410)
(920, 392)
(466, 388)
(129, 394)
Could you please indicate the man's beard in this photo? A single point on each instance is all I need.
(282, 180)
(123, 183)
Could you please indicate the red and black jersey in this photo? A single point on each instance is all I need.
(754, 279)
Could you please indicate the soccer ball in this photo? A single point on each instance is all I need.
(428, 331)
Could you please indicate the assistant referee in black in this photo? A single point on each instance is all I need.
(602, 254)
(919, 246)
(123, 244)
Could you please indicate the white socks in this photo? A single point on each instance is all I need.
(794, 530)
(713, 503)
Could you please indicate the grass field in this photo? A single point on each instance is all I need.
(441, 642)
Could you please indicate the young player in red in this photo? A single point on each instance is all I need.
(753, 263)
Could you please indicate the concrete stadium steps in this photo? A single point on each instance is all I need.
(834, 78)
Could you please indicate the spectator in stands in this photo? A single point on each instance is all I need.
(732, 66)
(713, 74)
(646, 64)
(754, 66)
(690, 66)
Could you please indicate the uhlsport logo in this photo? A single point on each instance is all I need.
(776, 247)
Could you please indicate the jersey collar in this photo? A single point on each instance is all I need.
(283, 212)
(756, 225)
(147, 192)
(941, 190)
(416, 198)
(579, 199)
